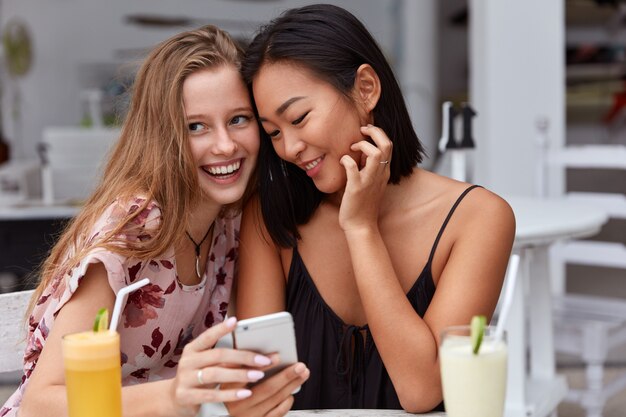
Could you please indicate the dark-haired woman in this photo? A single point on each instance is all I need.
(372, 255)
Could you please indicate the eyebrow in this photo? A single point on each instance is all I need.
(283, 107)
(204, 115)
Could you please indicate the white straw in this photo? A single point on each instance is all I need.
(511, 277)
(120, 300)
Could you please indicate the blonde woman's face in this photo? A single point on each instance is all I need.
(223, 132)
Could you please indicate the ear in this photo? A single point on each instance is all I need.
(366, 87)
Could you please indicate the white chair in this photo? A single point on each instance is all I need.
(590, 327)
(13, 330)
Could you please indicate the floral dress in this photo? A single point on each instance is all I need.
(158, 319)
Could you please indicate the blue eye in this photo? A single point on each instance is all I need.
(195, 127)
(240, 119)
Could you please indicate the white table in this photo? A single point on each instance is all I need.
(36, 210)
(533, 388)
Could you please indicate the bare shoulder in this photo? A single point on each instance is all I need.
(479, 210)
(486, 206)
(486, 219)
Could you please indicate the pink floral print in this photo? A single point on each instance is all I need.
(158, 319)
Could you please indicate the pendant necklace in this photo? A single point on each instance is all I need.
(197, 247)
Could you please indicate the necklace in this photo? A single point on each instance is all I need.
(197, 247)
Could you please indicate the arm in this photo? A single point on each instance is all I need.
(261, 290)
(469, 283)
(181, 396)
(261, 282)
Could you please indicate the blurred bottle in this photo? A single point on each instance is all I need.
(5, 151)
(92, 108)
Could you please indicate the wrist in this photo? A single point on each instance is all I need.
(361, 232)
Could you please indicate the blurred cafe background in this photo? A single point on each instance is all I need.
(526, 80)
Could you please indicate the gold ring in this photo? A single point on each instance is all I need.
(384, 162)
(199, 377)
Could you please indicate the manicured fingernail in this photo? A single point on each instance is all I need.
(244, 393)
(231, 321)
(255, 375)
(300, 368)
(262, 360)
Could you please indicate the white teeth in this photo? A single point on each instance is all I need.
(224, 169)
(312, 164)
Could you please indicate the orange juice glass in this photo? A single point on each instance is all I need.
(93, 374)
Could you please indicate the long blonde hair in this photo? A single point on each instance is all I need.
(152, 157)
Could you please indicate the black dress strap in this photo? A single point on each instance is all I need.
(445, 222)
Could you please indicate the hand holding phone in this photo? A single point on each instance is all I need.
(272, 333)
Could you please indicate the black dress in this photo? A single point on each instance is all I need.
(346, 368)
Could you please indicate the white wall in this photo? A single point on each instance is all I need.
(516, 75)
(417, 52)
(68, 34)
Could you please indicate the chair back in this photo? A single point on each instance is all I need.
(13, 329)
(596, 253)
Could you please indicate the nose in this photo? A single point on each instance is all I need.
(293, 147)
(223, 143)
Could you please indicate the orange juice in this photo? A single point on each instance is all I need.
(93, 374)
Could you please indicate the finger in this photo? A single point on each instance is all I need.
(371, 153)
(366, 147)
(352, 169)
(226, 357)
(203, 395)
(286, 381)
(270, 392)
(293, 378)
(209, 337)
(219, 375)
(380, 138)
(282, 408)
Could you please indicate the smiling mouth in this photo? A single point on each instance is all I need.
(313, 163)
(223, 171)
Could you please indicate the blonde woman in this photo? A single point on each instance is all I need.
(167, 208)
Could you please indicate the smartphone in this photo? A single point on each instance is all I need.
(269, 334)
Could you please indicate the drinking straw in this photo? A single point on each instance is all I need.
(120, 299)
(511, 277)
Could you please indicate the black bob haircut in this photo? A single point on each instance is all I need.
(331, 43)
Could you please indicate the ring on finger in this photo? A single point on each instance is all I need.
(199, 377)
(384, 162)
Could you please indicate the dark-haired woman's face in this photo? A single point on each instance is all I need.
(311, 124)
